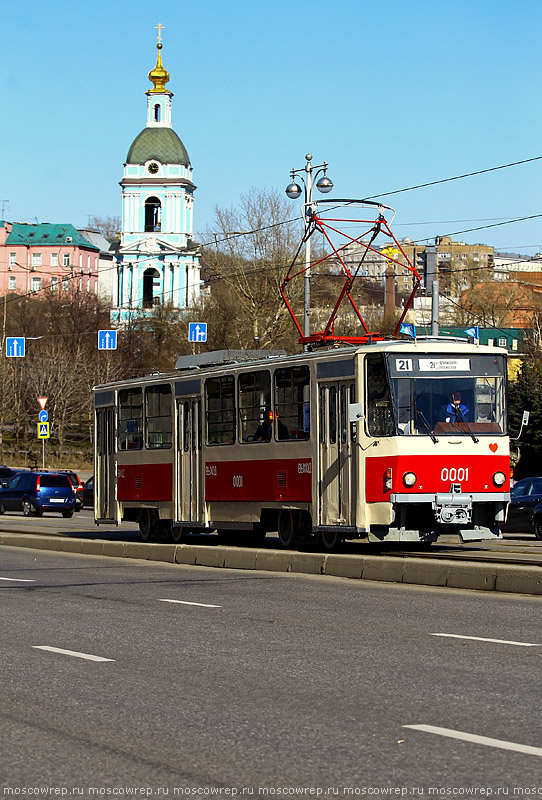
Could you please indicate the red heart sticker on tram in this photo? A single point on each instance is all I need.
(493, 447)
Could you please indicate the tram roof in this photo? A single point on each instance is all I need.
(216, 360)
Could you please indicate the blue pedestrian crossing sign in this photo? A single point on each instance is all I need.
(15, 346)
(43, 430)
(107, 340)
(197, 331)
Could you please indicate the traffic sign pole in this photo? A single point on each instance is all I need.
(43, 427)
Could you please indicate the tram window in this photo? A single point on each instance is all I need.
(323, 433)
(353, 425)
(158, 417)
(198, 426)
(186, 427)
(292, 401)
(343, 406)
(379, 409)
(131, 419)
(332, 415)
(220, 410)
(254, 391)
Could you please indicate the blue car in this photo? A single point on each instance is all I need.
(36, 492)
(524, 513)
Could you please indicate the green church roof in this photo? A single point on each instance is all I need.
(163, 144)
(44, 233)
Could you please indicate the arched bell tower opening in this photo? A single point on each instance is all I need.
(151, 278)
(153, 209)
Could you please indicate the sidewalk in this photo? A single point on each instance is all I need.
(475, 573)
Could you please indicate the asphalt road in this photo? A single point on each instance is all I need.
(223, 681)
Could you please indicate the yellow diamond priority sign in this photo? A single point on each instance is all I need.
(43, 430)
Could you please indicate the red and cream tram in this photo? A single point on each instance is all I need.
(392, 440)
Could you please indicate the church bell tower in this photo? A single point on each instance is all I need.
(157, 261)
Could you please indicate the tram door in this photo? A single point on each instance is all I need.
(337, 479)
(189, 495)
(104, 480)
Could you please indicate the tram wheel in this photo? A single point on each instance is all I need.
(329, 540)
(287, 527)
(146, 524)
(178, 534)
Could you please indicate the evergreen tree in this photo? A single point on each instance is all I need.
(525, 394)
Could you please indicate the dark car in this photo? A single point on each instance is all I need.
(77, 487)
(7, 472)
(36, 492)
(524, 513)
(88, 493)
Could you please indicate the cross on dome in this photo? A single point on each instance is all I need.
(159, 76)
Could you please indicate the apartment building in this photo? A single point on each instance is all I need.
(34, 257)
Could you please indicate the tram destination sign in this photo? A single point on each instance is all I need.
(432, 365)
(444, 364)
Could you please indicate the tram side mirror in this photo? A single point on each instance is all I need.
(355, 412)
(524, 423)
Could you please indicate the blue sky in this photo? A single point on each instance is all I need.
(391, 95)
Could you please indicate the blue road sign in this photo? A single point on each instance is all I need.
(107, 340)
(43, 416)
(15, 346)
(197, 331)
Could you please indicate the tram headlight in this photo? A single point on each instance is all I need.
(499, 479)
(409, 479)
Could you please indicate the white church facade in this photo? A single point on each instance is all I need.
(158, 262)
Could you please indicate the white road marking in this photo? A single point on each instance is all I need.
(73, 653)
(187, 603)
(472, 737)
(19, 580)
(482, 639)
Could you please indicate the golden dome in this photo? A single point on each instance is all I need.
(159, 76)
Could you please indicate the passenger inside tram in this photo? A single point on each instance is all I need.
(264, 431)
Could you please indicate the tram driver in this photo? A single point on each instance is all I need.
(455, 410)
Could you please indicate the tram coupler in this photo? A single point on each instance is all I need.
(453, 509)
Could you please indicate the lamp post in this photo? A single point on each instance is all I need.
(293, 190)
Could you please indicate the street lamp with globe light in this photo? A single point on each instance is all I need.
(293, 191)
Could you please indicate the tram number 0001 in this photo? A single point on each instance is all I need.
(454, 474)
(237, 481)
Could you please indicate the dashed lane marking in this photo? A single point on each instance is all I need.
(483, 639)
(475, 739)
(187, 603)
(74, 653)
(19, 580)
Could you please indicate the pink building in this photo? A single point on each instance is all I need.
(37, 257)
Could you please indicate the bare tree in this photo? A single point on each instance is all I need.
(252, 251)
(108, 226)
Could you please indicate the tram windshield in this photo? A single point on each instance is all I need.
(457, 395)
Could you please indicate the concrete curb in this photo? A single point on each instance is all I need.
(514, 578)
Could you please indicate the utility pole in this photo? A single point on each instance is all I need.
(434, 308)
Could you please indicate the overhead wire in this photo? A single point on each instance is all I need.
(227, 237)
